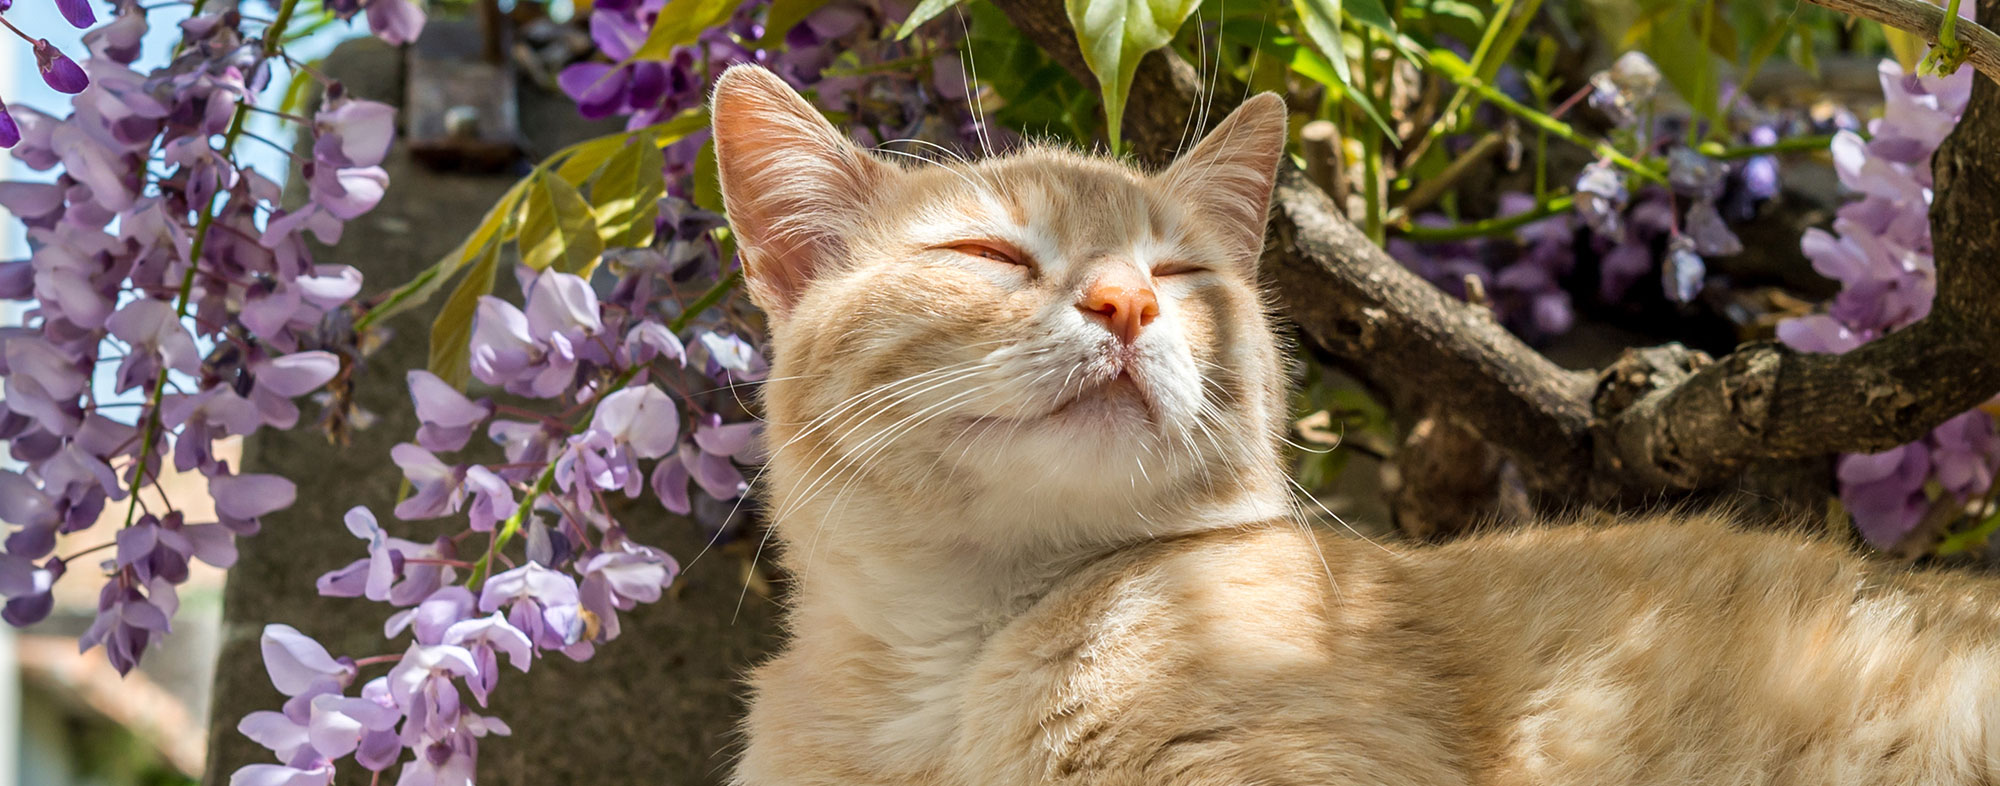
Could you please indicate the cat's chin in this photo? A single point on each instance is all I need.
(1117, 405)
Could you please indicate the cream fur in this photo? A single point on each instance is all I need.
(1014, 569)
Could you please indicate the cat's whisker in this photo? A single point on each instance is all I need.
(770, 455)
(1308, 496)
(833, 455)
(1027, 390)
(861, 459)
(975, 101)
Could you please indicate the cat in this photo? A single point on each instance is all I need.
(1024, 426)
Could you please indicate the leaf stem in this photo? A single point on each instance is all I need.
(713, 295)
(1456, 71)
(152, 427)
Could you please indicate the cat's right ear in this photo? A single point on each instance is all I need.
(793, 186)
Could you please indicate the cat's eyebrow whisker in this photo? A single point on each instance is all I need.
(952, 154)
(961, 173)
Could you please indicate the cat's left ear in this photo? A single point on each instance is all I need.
(1229, 175)
(794, 187)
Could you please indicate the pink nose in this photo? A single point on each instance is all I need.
(1123, 302)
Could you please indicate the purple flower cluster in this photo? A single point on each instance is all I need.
(150, 243)
(1880, 252)
(600, 362)
(1665, 230)
(924, 100)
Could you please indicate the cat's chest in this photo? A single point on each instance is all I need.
(854, 712)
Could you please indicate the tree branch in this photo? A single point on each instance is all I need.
(1661, 419)
(1982, 46)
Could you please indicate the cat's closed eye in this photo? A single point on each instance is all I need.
(1168, 269)
(992, 250)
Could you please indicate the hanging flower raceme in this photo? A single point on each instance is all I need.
(1880, 252)
(609, 382)
(148, 256)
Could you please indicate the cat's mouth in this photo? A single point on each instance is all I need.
(1116, 397)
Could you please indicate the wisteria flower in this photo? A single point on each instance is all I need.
(486, 638)
(1885, 492)
(448, 417)
(353, 132)
(241, 499)
(438, 486)
(540, 602)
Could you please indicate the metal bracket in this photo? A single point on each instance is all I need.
(462, 107)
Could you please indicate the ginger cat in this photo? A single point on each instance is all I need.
(1024, 424)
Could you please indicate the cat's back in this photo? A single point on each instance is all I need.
(1671, 650)
(1679, 649)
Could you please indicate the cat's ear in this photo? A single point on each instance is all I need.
(1229, 175)
(794, 187)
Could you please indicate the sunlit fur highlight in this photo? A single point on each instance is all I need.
(986, 593)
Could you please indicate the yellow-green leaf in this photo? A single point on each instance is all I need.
(1908, 47)
(451, 331)
(681, 25)
(626, 194)
(493, 229)
(1114, 35)
(924, 12)
(574, 165)
(783, 16)
(559, 229)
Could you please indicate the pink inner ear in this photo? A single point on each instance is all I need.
(793, 186)
(1230, 173)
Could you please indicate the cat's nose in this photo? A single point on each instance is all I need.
(1123, 302)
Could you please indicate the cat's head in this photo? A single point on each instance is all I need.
(1043, 337)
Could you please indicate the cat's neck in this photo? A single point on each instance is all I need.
(895, 574)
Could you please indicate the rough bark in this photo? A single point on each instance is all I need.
(1662, 420)
(656, 706)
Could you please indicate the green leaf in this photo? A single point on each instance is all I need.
(1372, 14)
(575, 165)
(783, 16)
(925, 11)
(451, 331)
(1114, 35)
(681, 25)
(1321, 19)
(559, 231)
(626, 195)
(295, 91)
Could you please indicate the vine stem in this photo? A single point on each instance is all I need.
(150, 431)
(512, 526)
